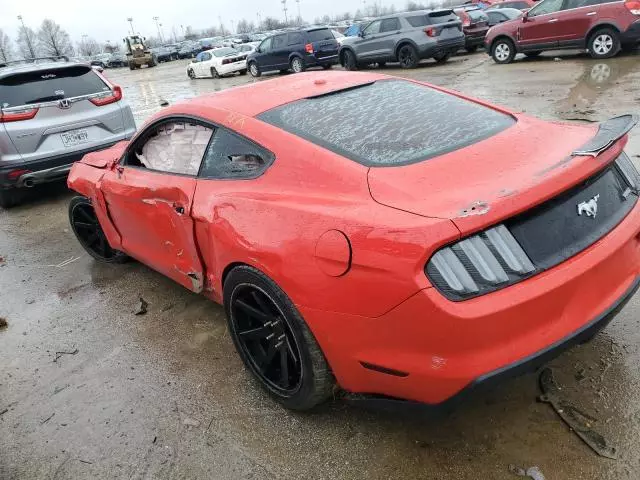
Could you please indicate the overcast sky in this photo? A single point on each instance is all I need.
(108, 20)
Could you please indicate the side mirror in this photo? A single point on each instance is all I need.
(525, 16)
(361, 34)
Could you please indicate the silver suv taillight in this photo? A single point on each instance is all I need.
(479, 264)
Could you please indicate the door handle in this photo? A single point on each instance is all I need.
(178, 208)
(590, 14)
(553, 20)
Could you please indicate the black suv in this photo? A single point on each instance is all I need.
(297, 50)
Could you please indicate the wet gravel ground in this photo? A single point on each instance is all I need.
(164, 395)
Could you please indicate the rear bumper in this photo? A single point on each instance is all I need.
(311, 60)
(474, 41)
(44, 170)
(232, 67)
(441, 47)
(429, 349)
(631, 36)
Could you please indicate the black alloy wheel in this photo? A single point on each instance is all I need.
(88, 231)
(274, 341)
(266, 339)
(408, 57)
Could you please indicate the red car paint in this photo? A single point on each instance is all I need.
(569, 27)
(348, 243)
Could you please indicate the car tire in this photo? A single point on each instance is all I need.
(270, 335)
(327, 67)
(214, 73)
(603, 43)
(350, 60)
(191, 74)
(8, 198)
(88, 231)
(254, 70)
(532, 54)
(442, 57)
(297, 65)
(408, 56)
(153, 62)
(471, 49)
(503, 51)
(132, 66)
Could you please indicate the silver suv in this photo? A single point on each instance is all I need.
(406, 38)
(52, 112)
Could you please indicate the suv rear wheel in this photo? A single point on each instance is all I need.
(297, 65)
(408, 56)
(503, 51)
(442, 57)
(8, 198)
(604, 43)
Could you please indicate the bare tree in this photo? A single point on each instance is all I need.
(245, 26)
(53, 40)
(111, 47)
(271, 23)
(189, 34)
(6, 50)
(27, 45)
(88, 47)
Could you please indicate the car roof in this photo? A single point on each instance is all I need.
(12, 69)
(506, 10)
(252, 99)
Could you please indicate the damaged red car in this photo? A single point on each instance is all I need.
(384, 236)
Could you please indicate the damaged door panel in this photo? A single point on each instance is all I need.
(152, 212)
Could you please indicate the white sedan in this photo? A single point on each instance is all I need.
(217, 62)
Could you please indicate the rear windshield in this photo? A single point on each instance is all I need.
(49, 85)
(389, 122)
(319, 35)
(221, 52)
(477, 15)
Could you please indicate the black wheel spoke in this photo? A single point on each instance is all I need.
(263, 306)
(254, 312)
(83, 213)
(284, 366)
(86, 226)
(292, 353)
(255, 333)
(102, 245)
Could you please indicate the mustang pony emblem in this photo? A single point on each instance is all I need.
(590, 207)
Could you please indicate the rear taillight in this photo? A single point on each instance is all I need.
(17, 173)
(431, 32)
(17, 116)
(466, 22)
(308, 48)
(115, 96)
(633, 6)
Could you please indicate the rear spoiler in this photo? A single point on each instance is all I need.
(608, 133)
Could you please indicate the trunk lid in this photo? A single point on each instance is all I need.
(496, 178)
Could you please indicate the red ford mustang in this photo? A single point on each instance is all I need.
(379, 234)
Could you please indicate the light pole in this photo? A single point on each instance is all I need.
(284, 9)
(259, 19)
(26, 35)
(158, 25)
(130, 20)
(299, 17)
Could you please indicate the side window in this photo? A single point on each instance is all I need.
(265, 46)
(372, 28)
(231, 156)
(199, 57)
(418, 21)
(545, 7)
(295, 39)
(206, 56)
(390, 25)
(569, 4)
(171, 147)
(279, 41)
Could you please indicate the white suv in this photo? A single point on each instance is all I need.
(53, 112)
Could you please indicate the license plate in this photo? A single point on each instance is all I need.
(74, 137)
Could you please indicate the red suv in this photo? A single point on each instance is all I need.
(601, 27)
